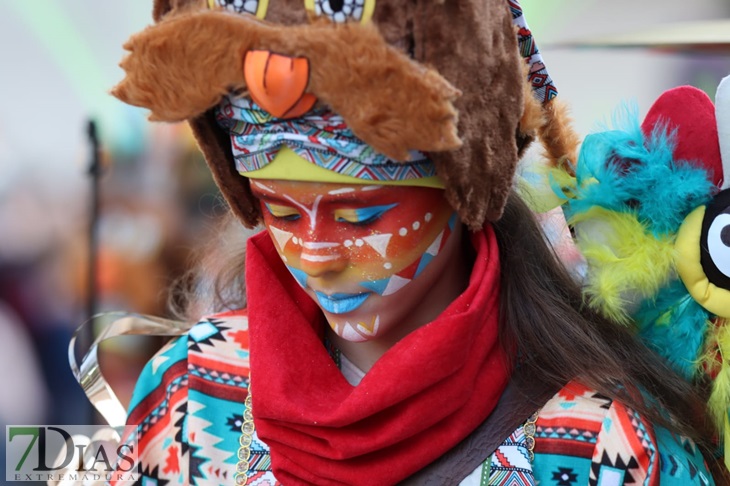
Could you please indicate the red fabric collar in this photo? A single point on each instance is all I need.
(421, 398)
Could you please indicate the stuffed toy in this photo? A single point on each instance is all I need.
(649, 207)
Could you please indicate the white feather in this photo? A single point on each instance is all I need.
(722, 113)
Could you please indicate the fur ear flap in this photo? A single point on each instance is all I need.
(472, 44)
(161, 8)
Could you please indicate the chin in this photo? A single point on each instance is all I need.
(355, 328)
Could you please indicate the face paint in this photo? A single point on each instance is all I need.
(356, 250)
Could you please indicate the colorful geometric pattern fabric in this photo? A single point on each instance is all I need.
(583, 438)
(189, 405)
(542, 84)
(319, 137)
(510, 464)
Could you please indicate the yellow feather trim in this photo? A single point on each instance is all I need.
(719, 402)
(533, 184)
(626, 263)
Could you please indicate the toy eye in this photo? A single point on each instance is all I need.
(253, 7)
(341, 11)
(715, 240)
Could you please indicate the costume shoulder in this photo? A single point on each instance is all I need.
(188, 403)
(583, 437)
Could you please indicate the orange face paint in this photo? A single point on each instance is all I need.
(354, 248)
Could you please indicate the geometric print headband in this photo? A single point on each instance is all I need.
(320, 138)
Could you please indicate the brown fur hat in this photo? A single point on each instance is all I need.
(466, 61)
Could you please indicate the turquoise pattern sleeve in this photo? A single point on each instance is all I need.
(152, 376)
(585, 438)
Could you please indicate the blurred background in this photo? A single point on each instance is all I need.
(58, 59)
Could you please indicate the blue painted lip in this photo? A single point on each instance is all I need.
(341, 303)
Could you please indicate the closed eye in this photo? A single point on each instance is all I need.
(362, 216)
(285, 213)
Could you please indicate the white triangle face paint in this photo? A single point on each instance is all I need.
(433, 249)
(379, 243)
(349, 333)
(396, 283)
(282, 237)
(369, 330)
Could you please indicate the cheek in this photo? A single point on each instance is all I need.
(401, 241)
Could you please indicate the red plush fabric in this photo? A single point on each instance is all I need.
(691, 112)
(421, 398)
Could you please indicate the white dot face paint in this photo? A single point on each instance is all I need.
(337, 241)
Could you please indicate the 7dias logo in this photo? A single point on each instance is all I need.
(70, 453)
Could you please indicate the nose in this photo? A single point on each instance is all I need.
(318, 259)
(276, 83)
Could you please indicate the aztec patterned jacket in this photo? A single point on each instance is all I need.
(189, 404)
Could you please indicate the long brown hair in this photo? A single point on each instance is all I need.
(559, 338)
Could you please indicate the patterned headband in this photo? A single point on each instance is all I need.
(267, 147)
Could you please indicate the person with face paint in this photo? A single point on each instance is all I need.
(379, 261)
(403, 319)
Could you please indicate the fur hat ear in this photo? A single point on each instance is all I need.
(472, 43)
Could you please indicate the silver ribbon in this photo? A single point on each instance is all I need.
(89, 375)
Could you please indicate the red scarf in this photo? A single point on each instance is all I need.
(421, 398)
